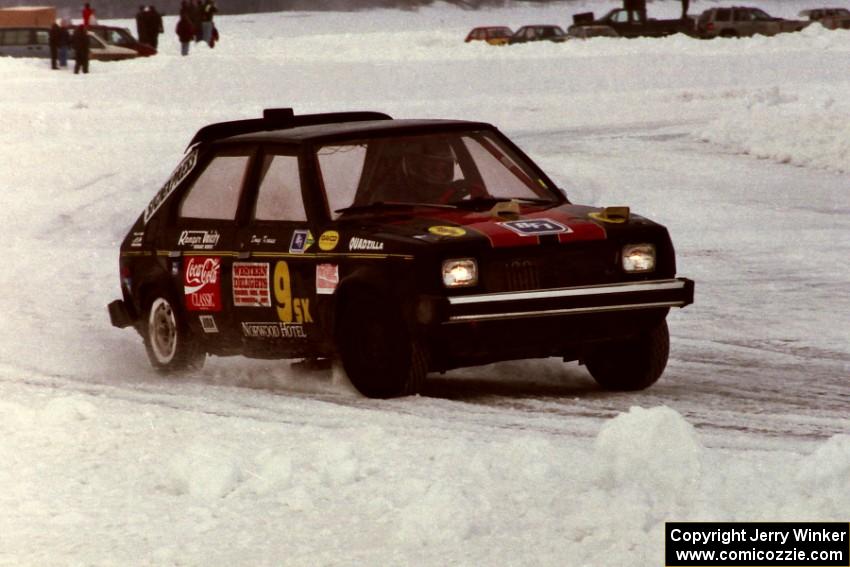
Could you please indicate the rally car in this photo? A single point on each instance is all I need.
(398, 247)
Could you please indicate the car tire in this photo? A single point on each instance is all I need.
(377, 351)
(631, 364)
(168, 342)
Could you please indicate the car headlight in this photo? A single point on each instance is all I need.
(462, 272)
(638, 257)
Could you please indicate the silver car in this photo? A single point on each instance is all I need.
(743, 21)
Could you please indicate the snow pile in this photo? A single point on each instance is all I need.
(766, 124)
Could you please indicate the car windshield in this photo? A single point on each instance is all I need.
(760, 14)
(450, 168)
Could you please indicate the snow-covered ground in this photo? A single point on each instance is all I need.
(740, 147)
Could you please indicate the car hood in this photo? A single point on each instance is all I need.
(503, 226)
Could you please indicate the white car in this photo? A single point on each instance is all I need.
(35, 42)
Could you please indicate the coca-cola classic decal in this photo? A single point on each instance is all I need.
(202, 283)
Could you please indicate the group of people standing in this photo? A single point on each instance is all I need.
(196, 23)
(61, 40)
(149, 25)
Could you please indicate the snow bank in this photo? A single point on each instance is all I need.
(156, 483)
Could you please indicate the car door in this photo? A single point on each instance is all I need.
(201, 242)
(274, 275)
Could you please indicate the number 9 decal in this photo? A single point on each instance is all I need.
(283, 292)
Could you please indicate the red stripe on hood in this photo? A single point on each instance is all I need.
(580, 228)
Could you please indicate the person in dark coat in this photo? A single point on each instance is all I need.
(155, 24)
(208, 10)
(195, 18)
(55, 30)
(141, 26)
(63, 43)
(80, 43)
(185, 32)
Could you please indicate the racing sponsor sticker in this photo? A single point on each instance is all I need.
(251, 284)
(202, 283)
(208, 323)
(454, 231)
(364, 244)
(199, 239)
(137, 239)
(327, 278)
(535, 227)
(274, 330)
(301, 241)
(179, 174)
(328, 240)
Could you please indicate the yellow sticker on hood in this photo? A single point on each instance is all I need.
(447, 230)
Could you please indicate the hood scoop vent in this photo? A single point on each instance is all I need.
(507, 210)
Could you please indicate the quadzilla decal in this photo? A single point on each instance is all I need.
(301, 241)
(535, 227)
(274, 330)
(251, 284)
(183, 169)
(327, 278)
(202, 283)
(364, 244)
(208, 323)
(199, 239)
(328, 240)
(137, 239)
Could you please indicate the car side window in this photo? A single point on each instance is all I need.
(279, 197)
(215, 192)
(341, 172)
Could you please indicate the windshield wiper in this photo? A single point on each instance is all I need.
(480, 202)
(392, 205)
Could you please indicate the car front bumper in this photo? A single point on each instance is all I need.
(653, 294)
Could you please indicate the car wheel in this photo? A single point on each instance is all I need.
(168, 342)
(376, 349)
(631, 364)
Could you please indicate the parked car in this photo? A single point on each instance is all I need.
(398, 247)
(830, 18)
(538, 33)
(25, 41)
(741, 21)
(632, 23)
(494, 35)
(35, 42)
(121, 37)
(589, 31)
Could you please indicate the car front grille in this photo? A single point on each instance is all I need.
(549, 267)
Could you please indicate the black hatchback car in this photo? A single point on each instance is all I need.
(398, 247)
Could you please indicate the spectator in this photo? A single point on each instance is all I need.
(55, 30)
(185, 32)
(80, 42)
(88, 12)
(195, 18)
(64, 44)
(155, 25)
(141, 26)
(207, 11)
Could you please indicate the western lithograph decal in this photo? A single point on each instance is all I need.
(251, 284)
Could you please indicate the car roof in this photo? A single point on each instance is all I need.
(283, 126)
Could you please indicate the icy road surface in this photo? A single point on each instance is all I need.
(739, 147)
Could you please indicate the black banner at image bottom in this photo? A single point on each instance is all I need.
(757, 544)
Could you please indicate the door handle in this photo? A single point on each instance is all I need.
(243, 255)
